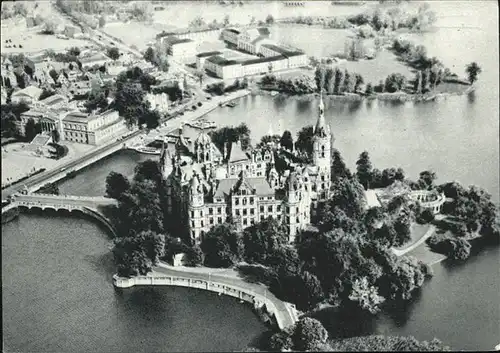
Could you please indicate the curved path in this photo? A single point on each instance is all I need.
(225, 281)
(400, 252)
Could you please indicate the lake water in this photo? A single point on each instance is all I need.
(56, 270)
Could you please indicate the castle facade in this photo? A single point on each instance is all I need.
(206, 186)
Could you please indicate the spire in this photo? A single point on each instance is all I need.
(320, 128)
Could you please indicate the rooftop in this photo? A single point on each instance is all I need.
(235, 31)
(174, 40)
(283, 51)
(263, 60)
(237, 154)
(93, 58)
(31, 91)
(55, 99)
(219, 60)
(208, 53)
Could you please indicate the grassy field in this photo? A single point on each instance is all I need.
(31, 39)
(134, 33)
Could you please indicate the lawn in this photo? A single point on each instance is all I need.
(134, 33)
(417, 232)
(379, 68)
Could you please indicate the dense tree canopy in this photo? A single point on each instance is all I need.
(116, 185)
(222, 246)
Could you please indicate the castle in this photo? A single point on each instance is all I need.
(206, 187)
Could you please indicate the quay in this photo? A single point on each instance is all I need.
(284, 314)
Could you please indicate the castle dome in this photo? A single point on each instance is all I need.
(203, 139)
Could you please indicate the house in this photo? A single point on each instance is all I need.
(158, 101)
(80, 87)
(29, 95)
(8, 77)
(250, 39)
(70, 31)
(97, 59)
(180, 47)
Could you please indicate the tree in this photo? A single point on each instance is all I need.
(50, 188)
(137, 254)
(263, 239)
(359, 81)
(113, 53)
(281, 341)
(140, 209)
(200, 75)
(149, 170)
(395, 82)
(30, 129)
(9, 127)
(369, 89)
(339, 169)
(116, 185)
(366, 295)
(231, 134)
(305, 140)
(364, 169)
(96, 101)
(418, 82)
(74, 51)
(55, 136)
(472, 70)
(102, 21)
(194, 256)
(426, 180)
(269, 19)
(308, 332)
(402, 228)
(286, 140)
(339, 80)
(222, 246)
(129, 101)
(150, 55)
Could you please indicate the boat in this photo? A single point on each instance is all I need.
(274, 93)
(146, 150)
(231, 105)
(497, 347)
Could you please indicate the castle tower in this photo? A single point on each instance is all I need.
(203, 148)
(322, 150)
(166, 163)
(293, 193)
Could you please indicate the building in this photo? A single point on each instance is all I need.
(91, 128)
(249, 40)
(49, 120)
(206, 187)
(98, 59)
(180, 47)
(231, 35)
(54, 102)
(200, 58)
(29, 95)
(70, 31)
(8, 77)
(272, 58)
(158, 101)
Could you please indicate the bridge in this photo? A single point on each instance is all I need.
(88, 205)
(285, 314)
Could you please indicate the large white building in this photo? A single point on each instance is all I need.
(206, 187)
(180, 47)
(76, 126)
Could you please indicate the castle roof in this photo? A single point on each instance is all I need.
(320, 129)
(203, 138)
(237, 154)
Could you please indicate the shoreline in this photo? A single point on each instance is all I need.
(266, 305)
(387, 97)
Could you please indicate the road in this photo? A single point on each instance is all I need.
(42, 177)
